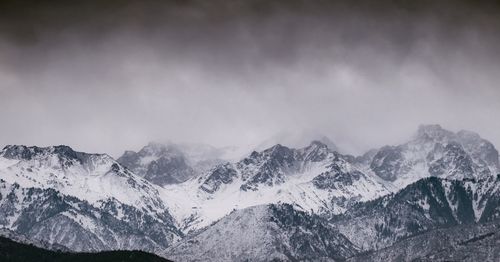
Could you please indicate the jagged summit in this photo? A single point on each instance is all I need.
(429, 128)
(297, 139)
(276, 149)
(328, 142)
(171, 163)
(92, 202)
(316, 150)
(92, 177)
(86, 202)
(434, 132)
(318, 143)
(157, 148)
(159, 163)
(28, 152)
(62, 157)
(466, 134)
(310, 177)
(436, 151)
(275, 153)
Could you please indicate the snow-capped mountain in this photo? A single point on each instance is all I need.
(91, 177)
(46, 215)
(313, 178)
(159, 164)
(170, 163)
(434, 151)
(428, 204)
(321, 180)
(296, 139)
(187, 202)
(265, 233)
(419, 222)
(86, 202)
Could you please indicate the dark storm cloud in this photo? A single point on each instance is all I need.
(112, 75)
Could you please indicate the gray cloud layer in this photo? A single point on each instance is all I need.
(110, 77)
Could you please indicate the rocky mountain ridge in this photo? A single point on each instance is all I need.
(313, 178)
(434, 151)
(425, 205)
(85, 202)
(90, 202)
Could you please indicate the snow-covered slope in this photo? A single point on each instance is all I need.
(434, 151)
(82, 201)
(428, 204)
(265, 233)
(46, 215)
(473, 242)
(91, 177)
(314, 178)
(92, 202)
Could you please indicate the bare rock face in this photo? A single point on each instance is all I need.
(223, 174)
(388, 162)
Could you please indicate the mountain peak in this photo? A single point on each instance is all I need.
(159, 149)
(14, 149)
(328, 142)
(316, 151)
(429, 129)
(318, 143)
(64, 150)
(28, 152)
(159, 163)
(276, 149)
(154, 147)
(466, 134)
(433, 132)
(298, 139)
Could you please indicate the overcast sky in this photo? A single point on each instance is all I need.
(106, 76)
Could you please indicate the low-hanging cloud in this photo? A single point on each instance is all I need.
(236, 74)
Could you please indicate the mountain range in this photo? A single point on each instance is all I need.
(194, 203)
